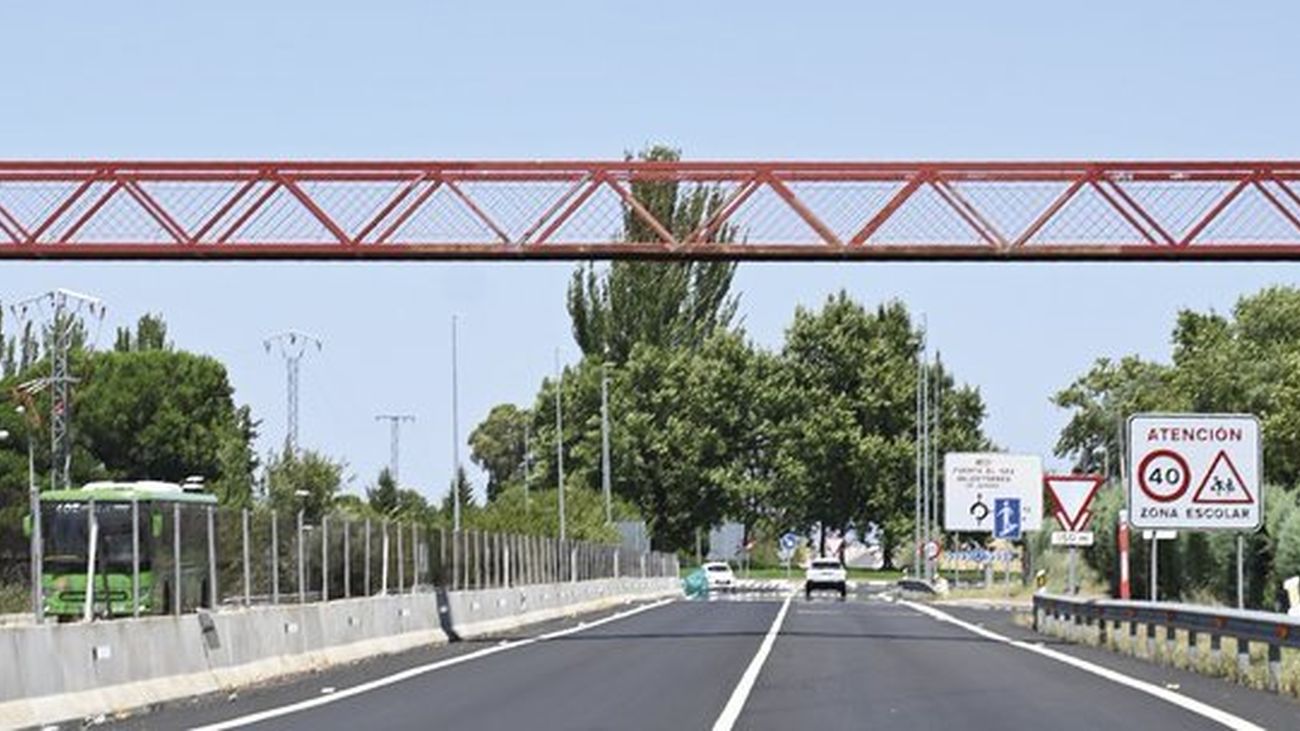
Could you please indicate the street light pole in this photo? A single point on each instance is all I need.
(559, 437)
(455, 436)
(604, 442)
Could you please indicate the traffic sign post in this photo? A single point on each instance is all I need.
(785, 550)
(1195, 472)
(1071, 496)
(974, 482)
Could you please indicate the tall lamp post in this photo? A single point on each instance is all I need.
(604, 443)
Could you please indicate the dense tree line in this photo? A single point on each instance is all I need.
(1247, 361)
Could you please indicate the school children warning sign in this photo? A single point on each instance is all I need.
(1194, 472)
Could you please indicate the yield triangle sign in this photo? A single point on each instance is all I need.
(1222, 484)
(1072, 495)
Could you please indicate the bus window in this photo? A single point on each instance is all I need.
(64, 530)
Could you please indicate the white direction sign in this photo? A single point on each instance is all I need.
(1194, 471)
(973, 481)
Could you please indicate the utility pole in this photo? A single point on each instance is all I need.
(528, 457)
(293, 345)
(935, 443)
(394, 442)
(925, 440)
(455, 435)
(64, 311)
(916, 502)
(604, 443)
(559, 437)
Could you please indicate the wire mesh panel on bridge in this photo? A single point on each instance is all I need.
(650, 209)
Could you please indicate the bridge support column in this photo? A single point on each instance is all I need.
(1243, 659)
(1170, 644)
(1274, 667)
(1216, 649)
(1193, 652)
(1151, 642)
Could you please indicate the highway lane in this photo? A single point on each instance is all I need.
(863, 663)
(872, 664)
(669, 667)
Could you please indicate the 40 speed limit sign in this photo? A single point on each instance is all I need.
(1194, 472)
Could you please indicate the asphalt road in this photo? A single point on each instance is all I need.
(862, 663)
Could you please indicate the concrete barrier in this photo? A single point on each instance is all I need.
(55, 672)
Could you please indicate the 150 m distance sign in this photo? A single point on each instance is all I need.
(1195, 472)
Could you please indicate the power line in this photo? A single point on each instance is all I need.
(293, 345)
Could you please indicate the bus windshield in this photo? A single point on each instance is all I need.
(66, 534)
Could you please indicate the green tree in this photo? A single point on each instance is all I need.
(497, 445)
(677, 304)
(1102, 400)
(150, 334)
(584, 512)
(846, 447)
(383, 497)
(462, 485)
(166, 415)
(307, 480)
(1244, 362)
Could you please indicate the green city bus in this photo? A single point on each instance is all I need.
(65, 538)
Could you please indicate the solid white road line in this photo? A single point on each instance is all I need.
(731, 712)
(420, 670)
(1164, 694)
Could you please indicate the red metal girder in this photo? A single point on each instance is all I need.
(1211, 214)
(1122, 211)
(158, 213)
(665, 236)
(968, 213)
(389, 206)
(890, 208)
(406, 213)
(89, 213)
(793, 201)
(44, 224)
(316, 211)
(249, 212)
(477, 211)
(1278, 205)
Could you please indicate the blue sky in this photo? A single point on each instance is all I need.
(832, 81)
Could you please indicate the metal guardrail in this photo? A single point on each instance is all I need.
(1071, 617)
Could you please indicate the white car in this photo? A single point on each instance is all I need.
(826, 573)
(719, 575)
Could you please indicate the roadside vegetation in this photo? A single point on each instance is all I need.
(1246, 361)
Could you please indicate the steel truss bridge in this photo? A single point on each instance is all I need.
(499, 210)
